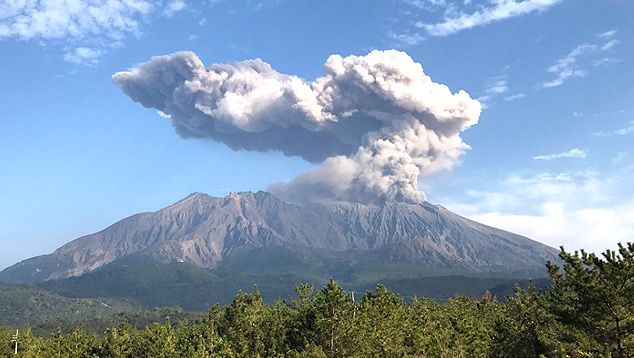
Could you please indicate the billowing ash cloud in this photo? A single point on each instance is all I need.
(376, 122)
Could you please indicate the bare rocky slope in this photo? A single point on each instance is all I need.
(259, 231)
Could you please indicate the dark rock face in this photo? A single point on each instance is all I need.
(208, 231)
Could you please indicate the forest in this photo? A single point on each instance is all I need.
(587, 311)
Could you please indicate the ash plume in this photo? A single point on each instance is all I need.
(376, 123)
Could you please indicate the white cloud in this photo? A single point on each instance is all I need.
(405, 38)
(556, 225)
(572, 58)
(563, 76)
(573, 153)
(51, 19)
(567, 67)
(574, 64)
(514, 97)
(608, 45)
(618, 132)
(89, 27)
(606, 61)
(426, 4)
(174, 6)
(587, 210)
(83, 56)
(501, 10)
(607, 34)
(496, 86)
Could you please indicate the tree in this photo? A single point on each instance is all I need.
(461, 327)
(301, 324)
(201, 340)
(335, 321)
(523, 328)
(594, 298)
(117, 342)
(385, 324)
(252, 329)
(6, 347)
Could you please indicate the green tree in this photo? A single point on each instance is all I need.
(301, 323)
(156, 341)
(117, 342)
(594, 298)
(523, 328)
(6, 347)
(253, 329)
(385, 324)
(335, 321)
(461, 327)
(30, 346)
(201, 340)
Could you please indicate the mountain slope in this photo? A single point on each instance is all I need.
(193, 288)
(237, 230)
(32, 305)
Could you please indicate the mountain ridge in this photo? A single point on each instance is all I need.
(208, 231)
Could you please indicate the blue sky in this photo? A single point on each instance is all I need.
(552, 156)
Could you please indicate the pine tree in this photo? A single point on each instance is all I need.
(594, 298)
(335, 322)
(385, 324)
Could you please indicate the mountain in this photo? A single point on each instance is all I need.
(257, 232)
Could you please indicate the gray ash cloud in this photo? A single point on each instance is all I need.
(376, 123)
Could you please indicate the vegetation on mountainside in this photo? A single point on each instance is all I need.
(33, 305)
(46, 311)
(194, 288)
(587, 312)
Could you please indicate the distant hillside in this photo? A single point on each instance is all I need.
(175, 284)
(32, 305)
(138, 319)
(193, 288)
(256, 232)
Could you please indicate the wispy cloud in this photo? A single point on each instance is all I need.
(426, 4)
(174, 6)
(566, 67)
(514, 97)
(85, 29)
(606, 61)
(607, 34)
(496, 86)
(575, 63)
(83, 56)
(608, 45)
(573, 153)
(405, 38)
(51, 19)
(618, 132)
(456, 21)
